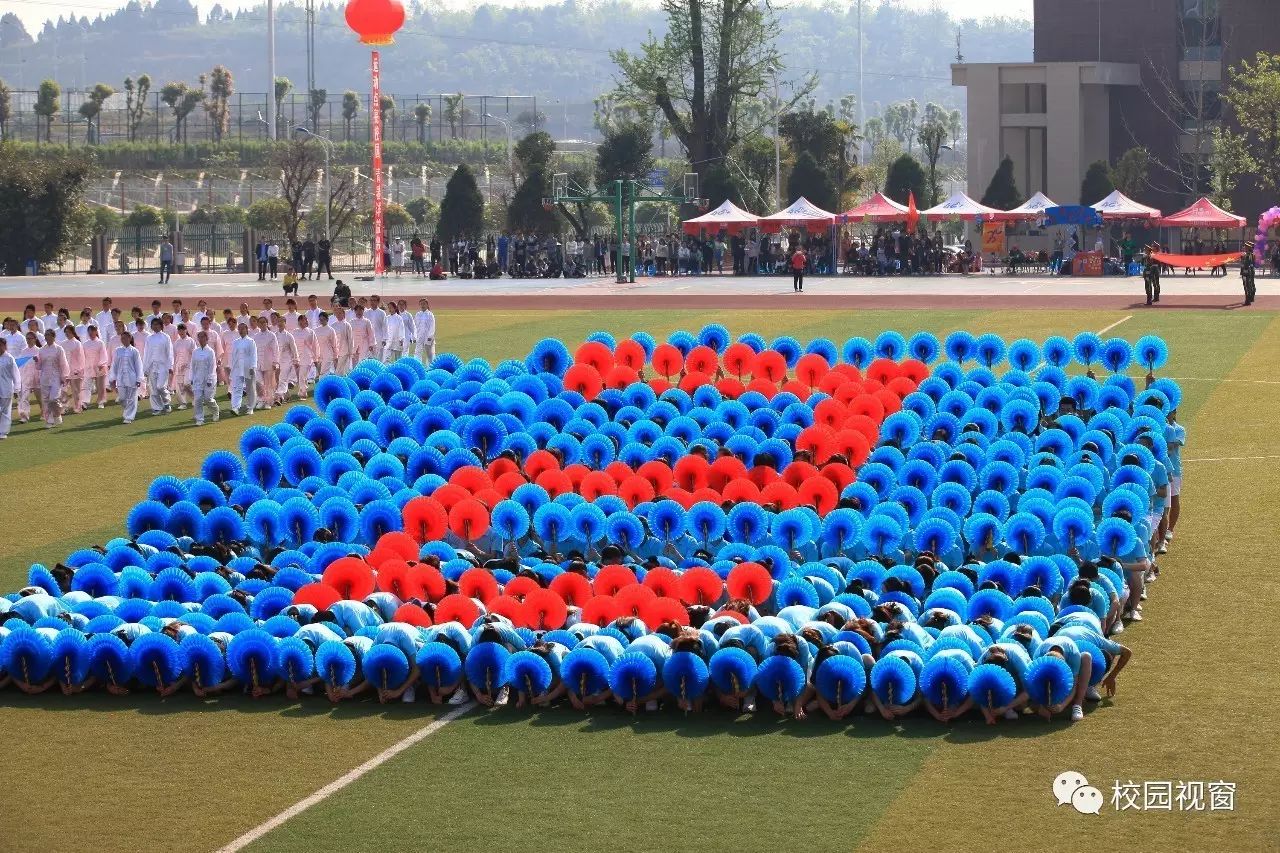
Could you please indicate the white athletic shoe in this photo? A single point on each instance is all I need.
(102, 405)
(1143, 595)
(1135, 616)
(651, 705)
(1163, 549)
(1077, 713)
(1119, 628)
(409, 695)
(1168, 536)
(1010, 714)
(1093, 695)
(182, 407)
(459, 697)
(749, 707)
(503, 696)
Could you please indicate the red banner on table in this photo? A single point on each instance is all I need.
(1196, 262)
(375, 124)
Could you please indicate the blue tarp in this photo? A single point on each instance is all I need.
(1072, 214)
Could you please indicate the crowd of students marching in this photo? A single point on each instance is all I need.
(57, 365)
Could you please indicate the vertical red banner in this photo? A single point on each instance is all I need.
(375, 125)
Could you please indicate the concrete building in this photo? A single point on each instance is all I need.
(1111, 75)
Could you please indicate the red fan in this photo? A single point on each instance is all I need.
(539, 461)
(601, 610)
(901, 386)
(889, 400)
(832, 380)
(865, 424)
(751, 581)
(428, 579)
(839, 474)
(741, 491)
(763, 386)
(738, 359)
(680, 496)
(667, 360)
(849, 370)
(632, 599)
(795, 386)
(658, 473)
(556, 483)
(850, 391)
(319, 595)
(732, 614)
(915, 370)
(412, 614)
(693, 380)
(870, 386)
(425, 519)
(512, 608)
(702, 359)
(393, 577)
(612, 578)
(882, 370)
(457, 608)
(545, 610)
(731, 388)
(469, 520)
(620, 376)
(811, 368)
(635, 490)
(819, 440)
(819, 493)
(654, 613)
(706, 493)
(478, 583)
(662, 581)
(619, 471)
(471, 478)
(659, 386)
(520, 586)
(396, 544)
(700, 585)
(584, 379)
(595, 484)
(595, 354)
(762, 475)
(489, 497)
(350, 576)
(769, 365)
(449, 494)
(575, 473)
(508, 483)
(501, 466)
(781, 493)
(830, 413)
(868, 405)
(797, 473)
(725, 469)
(572, 587)
(690, 472)
(629, 353)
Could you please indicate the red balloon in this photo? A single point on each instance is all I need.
(375, 21)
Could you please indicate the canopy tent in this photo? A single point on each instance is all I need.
(878, 208)
(1119, 206)
(1202, 214)
(1031, 209)
(960, 206)
(727, 217)
(801, 213)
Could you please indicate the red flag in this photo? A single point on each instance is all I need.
(913, 215)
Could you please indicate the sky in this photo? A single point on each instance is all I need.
(34, 12)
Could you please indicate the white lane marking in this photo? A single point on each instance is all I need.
(1113, 325)
(1208, 379)
(1233, 459)
(346, 779)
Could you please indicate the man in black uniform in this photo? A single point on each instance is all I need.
(1151, 273)
(324, 258)
(1247, 271)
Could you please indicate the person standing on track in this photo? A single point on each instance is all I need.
(126, 374)
(798, 262)
(1151, 273)
(1247, 272)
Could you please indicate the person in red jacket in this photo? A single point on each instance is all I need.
(798, 262)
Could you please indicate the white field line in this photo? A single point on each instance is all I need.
(346, 779)
(1233, 459)
(1113, 325)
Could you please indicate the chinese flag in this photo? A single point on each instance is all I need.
(913, 215)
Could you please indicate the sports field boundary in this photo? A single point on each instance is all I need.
(346, 779)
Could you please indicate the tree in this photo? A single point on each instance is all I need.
(883, 156)
(932, 136)
(955, 127)
(525, 212)
(350, 109)
(462, 209)
(422, 209)
(1096, 184)
(41, 201)
(905, 177)
(810, 180)
(714, 55)
(48, 102)
(1129, 174)
(625, 154)
(135, 102)
(6, 110)
(874, 133)
(283, 86)
(270, 215)
(453, 114)
(1229, 160)
(218, 101)
(144, 216)
(900, 121)
(754, 157)
(395, 216)
(534, 151)
(300, 166)
(386, 110)
(316, 99)
(1254, 98)
(106, 219)
(91, 109)
(422, 116)
(1002, 193)
(530, 121)
(182, 100)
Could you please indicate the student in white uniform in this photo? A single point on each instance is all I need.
(140, 333)
(29, 377)
(326, 346)
(343, 343)
(287, 346)
(157, 363)
(410, 331)
(49, 320)
(243, 371)
(75, 363)
(228, 333)
(9, 384)
(313, 311)
(204, 378)
(362, 336)
(95, 369)
(377, 317)
(268, 364)
(424, 323)
(305, 340)
(183, 347)
(394, 346)
(125, 376)
(291, 314)
(105, 321)
(54, 373)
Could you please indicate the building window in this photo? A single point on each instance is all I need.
(1023, 98)
(1200, 31)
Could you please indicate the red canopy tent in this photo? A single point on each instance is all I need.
(1031, 209)
(1119, 206)
(1202, 214)
(801, 213)
(960, 206)
(878, 208)
(727, 217)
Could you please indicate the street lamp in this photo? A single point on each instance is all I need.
(328, 146)
(506, 125)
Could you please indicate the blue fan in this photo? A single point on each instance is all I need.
(1116, 537)
(923, 346)
(1071, 525)
(587, 521)
(440, 665)
(528, 672)
(936, 536)
(858, 352)
(960, 346)
(107, 658)
(780, 679)
(549, 356)
(1024, 354)
(1057, 351)
(1049, 681)
(1024, 532)
(221, 466)
(705, 521)
(841, 530)
(893, 680)
(585, 672)
(158, 660)
(335, 663)
(252, 657)
(204, 660)
(295, 660)
(992, 686)
(1087, 348)
(989, 349)
(944, 681)
(632, 677)
(484, 666)
(1117, 354)
(891, 345)
(792, 529)
(732, 670)
(840, 679)
(715, 336)
(385, 666)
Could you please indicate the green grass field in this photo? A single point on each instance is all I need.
(104, 774)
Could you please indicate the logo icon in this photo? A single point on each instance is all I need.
(1072, 788)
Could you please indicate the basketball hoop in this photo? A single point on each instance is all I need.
(704, 204)
(548, 205)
